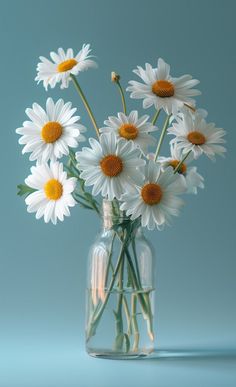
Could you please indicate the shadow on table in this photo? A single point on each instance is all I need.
(194, 354)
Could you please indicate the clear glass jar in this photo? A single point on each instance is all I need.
(120, 289)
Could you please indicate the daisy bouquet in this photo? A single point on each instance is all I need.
(123, 164)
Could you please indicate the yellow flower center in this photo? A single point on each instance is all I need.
(174, 163)
(128, 131)
(53, 189)
(111, 165)
(151, 193)
(163, 88)
(51, 131)
(66, 65)
(196, 138)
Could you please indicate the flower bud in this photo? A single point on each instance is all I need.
(115, 77)
(190, 107)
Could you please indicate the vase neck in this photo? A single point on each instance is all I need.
(111, 214)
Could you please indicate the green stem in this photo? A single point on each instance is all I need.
(134, 322)
(156, 115)
(162, 137)
(128, 317)
(150, 319)
(122, 97)
(109, 259)
(124, 300)
(118, 314)
(86, 104)
(86, 202)
(96, 317)
(143, 298)
(120, 287)
(136, 261)
(84, 205)
(182, 161)
(190, 107)
(89, 200)
(95, 207)
(135, 282)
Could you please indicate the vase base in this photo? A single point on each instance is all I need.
(119, 355)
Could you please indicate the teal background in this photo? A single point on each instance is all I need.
(42, 267)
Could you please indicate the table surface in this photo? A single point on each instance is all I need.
(69, 366)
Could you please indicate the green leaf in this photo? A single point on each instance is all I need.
(84, 205)
(71, 171)
(24, 189)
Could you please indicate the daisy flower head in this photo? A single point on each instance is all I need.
(131, 127)
(155, 199)
(193, 133)
(53, 192)
(51, 132)
(192, 178)
(110, 166)
(161, 89)
(62, 65)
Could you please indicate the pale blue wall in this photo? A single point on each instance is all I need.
(42, 277)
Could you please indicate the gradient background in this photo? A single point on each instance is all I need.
(42, 267)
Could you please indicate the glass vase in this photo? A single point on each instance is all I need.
(120, 289)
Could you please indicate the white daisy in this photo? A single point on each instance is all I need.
(53, 195)
(155, 200)
(62, 65)
(193, 179)
(110, 166)
(50, 132)
(192, 132)
(162, 90)
(131, 128)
